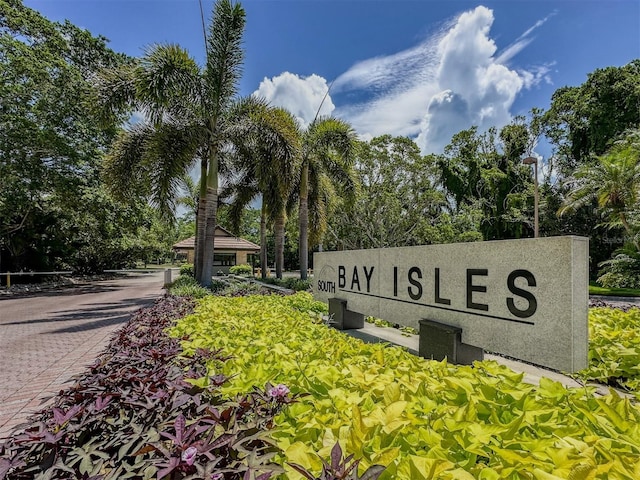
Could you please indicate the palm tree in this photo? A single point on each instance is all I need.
(613, 181)
(265, 165)
(327, 163)
(190, 114)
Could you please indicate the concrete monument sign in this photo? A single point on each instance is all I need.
(525, 298)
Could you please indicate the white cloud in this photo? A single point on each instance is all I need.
(302, 96)
(479, 87)
(522, 41)
(452, 80)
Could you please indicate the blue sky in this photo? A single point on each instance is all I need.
(425, 69)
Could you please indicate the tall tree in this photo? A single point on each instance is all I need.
(266, 163)
(51, 144)
(398, 202)
(613, 182)
(328, 147)
(189, 111)
(486, 170)
(583, 121)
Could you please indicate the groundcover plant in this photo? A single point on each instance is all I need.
(614, 348)
(138, 413)
(420, 419)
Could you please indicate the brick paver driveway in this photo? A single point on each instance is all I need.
(49, 337)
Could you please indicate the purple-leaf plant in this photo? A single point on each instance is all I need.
(132, 414)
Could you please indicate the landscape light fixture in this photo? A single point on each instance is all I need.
(534, 161)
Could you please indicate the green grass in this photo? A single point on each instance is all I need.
(595, 289)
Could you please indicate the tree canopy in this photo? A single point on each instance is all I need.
(52, 206)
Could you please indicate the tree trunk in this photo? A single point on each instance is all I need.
(303, 245)
(210, 221)
(263, 242)
(279, 241)
(201, 221)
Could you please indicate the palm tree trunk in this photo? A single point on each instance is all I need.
(210, 222)
(263, 242)
(303, 246)
(201, 220)
(279, 241)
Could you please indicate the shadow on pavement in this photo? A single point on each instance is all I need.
(98, 310)
(83, 327)
(107, 315)
(62, 291)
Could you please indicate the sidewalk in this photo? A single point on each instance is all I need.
(49, 337)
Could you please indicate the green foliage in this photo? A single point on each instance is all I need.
(621, 271)
(187, 286)
(420, 419)
(378, 322)
(583, 123)
(187, 270)
(188, 122)
(484, 172)
(291, 283)
(246, 224)
(244, 269)
(53, 211)
(240, 289)
(611, 182)
(397, 201)
(595, 289)
(614, 348)
(583, 120)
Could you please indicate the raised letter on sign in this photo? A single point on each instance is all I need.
(368, 277)
(418, 293)
(443, 301)
(342, 277)
(472, 272)
(528, 296)
(395, 281)
(354, 279)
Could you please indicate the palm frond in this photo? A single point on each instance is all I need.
(170, 152)
(124, 170)
(224, 56)
(114, 92)
(167, 82)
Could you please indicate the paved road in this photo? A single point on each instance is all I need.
(49, 337)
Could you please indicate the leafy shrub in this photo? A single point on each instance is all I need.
(242, 289)
(144, 411)
(187, 269)
(614, 348)
(421, 419)
(622, 271)
(218, 286)
(295, 284)
(186, 286)
(243, 269)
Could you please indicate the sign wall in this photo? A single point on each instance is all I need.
(524, 298)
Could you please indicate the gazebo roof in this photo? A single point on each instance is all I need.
(224, 240)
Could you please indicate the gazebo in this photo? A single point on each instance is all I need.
(229, 250)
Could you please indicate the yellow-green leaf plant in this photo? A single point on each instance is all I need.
(421, 419)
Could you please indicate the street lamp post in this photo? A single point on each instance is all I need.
(534, 161)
